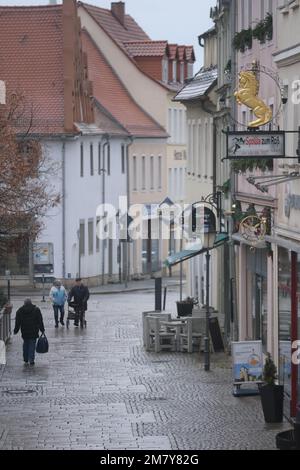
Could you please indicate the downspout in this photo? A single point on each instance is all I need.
(103, 169)
(127, 245)
(64, 209)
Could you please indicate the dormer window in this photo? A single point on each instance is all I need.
(165, 70)
(182, 72)
(190, 70)
(174, 71)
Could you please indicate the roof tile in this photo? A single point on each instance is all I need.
(114, 97)
(31, 62)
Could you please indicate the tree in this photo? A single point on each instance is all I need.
(25, 191)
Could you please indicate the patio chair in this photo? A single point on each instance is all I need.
(163, 315)
(190, 339)
(159, 338)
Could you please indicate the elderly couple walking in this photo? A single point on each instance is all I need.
(59, 296)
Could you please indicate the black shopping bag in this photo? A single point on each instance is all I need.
(42, 345)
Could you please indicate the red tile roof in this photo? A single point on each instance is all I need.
(189, 52)
(181, 53)
(146, 48)
(114, 97)
(31, 61)
(131, 32)
(173, 51)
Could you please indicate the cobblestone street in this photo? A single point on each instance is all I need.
(98, 389)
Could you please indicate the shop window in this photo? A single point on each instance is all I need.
(284, 317)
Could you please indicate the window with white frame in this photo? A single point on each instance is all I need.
(174, 133)
(134, 173)
(165, 70)
(97, 238)
(250, 13)
(243, 14)
(123, 159)
(190, 70)
(159, 172)
(99, 158)
(181, 72)
(262, 9)
(174, 69)
(82, 238)
(152, 173)
(92, 159)
(91, 236)
(143, 173)
(81, 160)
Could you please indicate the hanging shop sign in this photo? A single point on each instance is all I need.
(255, 144)
(247, 368)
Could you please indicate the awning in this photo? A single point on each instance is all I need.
(194, 250)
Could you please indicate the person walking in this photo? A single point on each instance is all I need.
(29, 319)
(58, 296)
(81, 295)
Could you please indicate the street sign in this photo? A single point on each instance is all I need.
(7, 275)
(255, 144)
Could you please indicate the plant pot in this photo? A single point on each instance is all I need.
(184, 309)
(272, 403)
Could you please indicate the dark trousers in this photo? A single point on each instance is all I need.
(29, 350)
(60, 308)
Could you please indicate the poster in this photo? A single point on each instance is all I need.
(285, 366)
(247, 361)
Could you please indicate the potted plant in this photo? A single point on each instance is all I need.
(271, 394)
(185, 307)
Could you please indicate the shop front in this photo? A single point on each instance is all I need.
(289, 324)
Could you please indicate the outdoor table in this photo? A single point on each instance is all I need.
(177, 324)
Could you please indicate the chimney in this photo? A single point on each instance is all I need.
(118, 10)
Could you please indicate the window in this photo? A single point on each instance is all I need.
(143, 173)
(262, 9)
(99, 158)
(82, 238)
(174, 69)
(108, 160)
(134, 179)
(81, 160)
(159, 172)
(190, 70)
(182, 72)
(151, 173)
(270, 7)
(250, 13)
(97, 238)
(242, 14)
(174, 133)
(123, 165)
(165, 70)
(92, 159)
(91, 236)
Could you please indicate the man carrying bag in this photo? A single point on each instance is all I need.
(29, 319)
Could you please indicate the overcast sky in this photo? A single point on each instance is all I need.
(178, 21)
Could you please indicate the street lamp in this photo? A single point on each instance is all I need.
(208, 238)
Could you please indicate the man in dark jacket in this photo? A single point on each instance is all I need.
(81, 295)
(30, 320)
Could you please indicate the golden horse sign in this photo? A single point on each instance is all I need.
(247, 94)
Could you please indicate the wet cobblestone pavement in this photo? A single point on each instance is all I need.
(98, 389)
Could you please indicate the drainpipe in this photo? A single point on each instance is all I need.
(103, 169)
(64, 209)
(126, 245)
